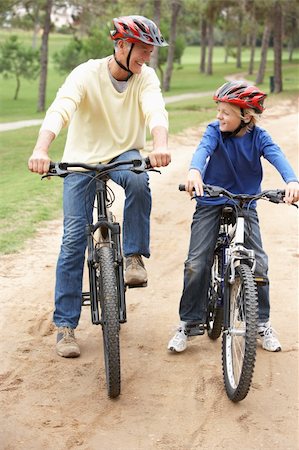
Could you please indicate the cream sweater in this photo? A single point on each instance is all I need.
(104, 123)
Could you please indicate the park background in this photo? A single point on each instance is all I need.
(210, 40)
(167, 403)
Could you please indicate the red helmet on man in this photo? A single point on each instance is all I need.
(136, 29)
(241, 94)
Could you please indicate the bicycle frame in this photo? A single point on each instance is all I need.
(230, 249)
(236, 251)
(106, 296)
(232, 307)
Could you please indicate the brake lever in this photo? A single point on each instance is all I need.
(144, 166)
(213, 191)
(56, 170)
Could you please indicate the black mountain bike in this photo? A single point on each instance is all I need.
(106, 296)
(232, 303)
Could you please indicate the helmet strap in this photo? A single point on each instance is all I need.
(128, 62)
(227, 134)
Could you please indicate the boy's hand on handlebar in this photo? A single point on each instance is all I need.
(291, 192)
(39, 162)
(194, 182)
(160, 157)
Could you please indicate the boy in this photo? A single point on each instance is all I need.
(229, 155)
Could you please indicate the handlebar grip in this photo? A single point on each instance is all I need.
(147, 163)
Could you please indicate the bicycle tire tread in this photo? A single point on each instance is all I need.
(241, 390)
(110, 321)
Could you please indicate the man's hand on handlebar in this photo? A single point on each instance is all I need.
(160, 157)
(39, 162)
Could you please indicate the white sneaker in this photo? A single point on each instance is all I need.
(179, 341)
(268, 337)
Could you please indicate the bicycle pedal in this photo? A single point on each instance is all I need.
(195, 329)
(261, 281)
(132, 286)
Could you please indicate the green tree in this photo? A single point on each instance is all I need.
(96, 45)
(69, 56)
(19, 61)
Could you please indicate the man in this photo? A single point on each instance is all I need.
(107, 104)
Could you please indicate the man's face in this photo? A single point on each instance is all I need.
(140, 55)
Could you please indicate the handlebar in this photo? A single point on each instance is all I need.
(273, 195)
(61, 169)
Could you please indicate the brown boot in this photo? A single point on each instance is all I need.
(67, 345)
(135, 273)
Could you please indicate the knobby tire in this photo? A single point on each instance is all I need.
(239, 341)
(215, 321)
(110, 320)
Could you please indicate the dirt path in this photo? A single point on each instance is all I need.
(168, 402)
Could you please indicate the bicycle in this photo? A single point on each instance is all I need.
(232, 301)
(106, 296)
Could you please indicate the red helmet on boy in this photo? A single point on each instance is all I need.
(137, 29)
(241, 94)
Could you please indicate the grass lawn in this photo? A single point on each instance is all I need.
(36, 201)
(25, 200)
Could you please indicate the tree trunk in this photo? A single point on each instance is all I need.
(277, 44)
(44, 58)
(252, 52)
(161, 72)
(175, 9)
(264, 50)
(17, 88)
(156, 19)
(226, 53)
(203, 42)
(209, 70)
(290, 50)
(239, 43)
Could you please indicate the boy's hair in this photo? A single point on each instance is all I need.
(254, 117)
(241, 113)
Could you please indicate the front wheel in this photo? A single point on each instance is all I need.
(239, 340)
(110, 320)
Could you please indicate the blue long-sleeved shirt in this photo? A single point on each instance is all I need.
(234, 163)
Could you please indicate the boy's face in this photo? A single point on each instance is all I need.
(228, 116)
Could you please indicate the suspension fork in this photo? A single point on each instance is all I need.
(236, 254)
(93, 288)
(113, 229)
(92, 258)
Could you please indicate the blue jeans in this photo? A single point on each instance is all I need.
(78, 209)
(204, 232)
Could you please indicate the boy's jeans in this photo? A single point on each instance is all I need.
(204, 232)
(78, 209)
